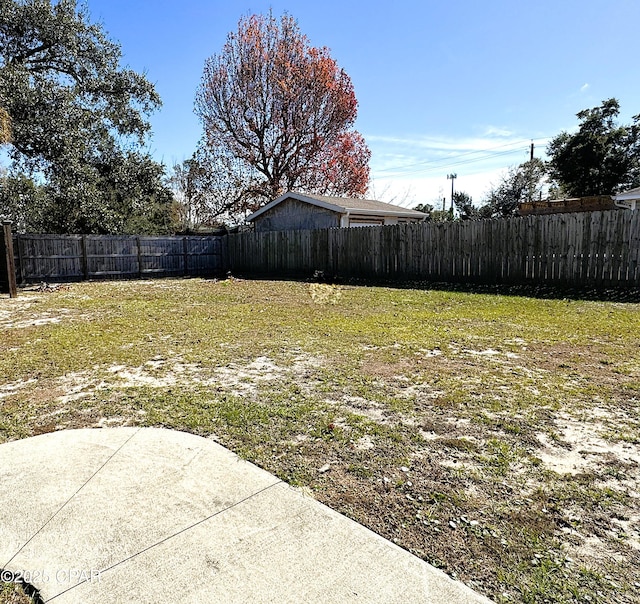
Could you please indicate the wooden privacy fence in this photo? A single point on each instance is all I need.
(76, 257)
(586, 248)
(599, 248)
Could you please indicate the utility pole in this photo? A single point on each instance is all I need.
(531, 157)
(452, 177)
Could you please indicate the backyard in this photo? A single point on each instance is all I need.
(495, 434)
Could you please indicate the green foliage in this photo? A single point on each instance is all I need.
(14, 190)
(434, 215)
(125, 194)
(522, 183)
(209, 188)
(184, 181)
(5, 127)
(76, 120)
(464, 205)
(427, 208)
(441, 216)
(601, 158)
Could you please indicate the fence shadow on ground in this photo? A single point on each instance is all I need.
(529, 290)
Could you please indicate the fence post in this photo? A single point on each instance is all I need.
(9, 259)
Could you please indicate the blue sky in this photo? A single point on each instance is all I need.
(459, 86)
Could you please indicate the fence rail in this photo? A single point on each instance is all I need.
(599, 248)
(77, 257)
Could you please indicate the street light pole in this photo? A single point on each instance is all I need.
(452, 177)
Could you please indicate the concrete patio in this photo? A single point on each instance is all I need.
(155, 515)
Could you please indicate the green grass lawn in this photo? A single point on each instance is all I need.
(495, 436)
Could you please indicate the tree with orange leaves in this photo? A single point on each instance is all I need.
(285, 110)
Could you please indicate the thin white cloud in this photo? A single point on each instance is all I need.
(584, 87)
(493, 131)
(410, 170)
(408, 192)
(406, 157)
(491, 138)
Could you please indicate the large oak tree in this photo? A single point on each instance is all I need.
(284, 111)
(77, 124)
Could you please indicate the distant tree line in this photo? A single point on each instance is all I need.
(601, 158)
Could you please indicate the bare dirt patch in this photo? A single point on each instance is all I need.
(580, 447)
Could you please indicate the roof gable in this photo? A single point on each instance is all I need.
(342, 205)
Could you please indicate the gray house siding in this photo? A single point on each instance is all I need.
(294, 215)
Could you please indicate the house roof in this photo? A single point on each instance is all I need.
(628, 195)
(343, 205)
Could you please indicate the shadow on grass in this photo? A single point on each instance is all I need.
(546, 291)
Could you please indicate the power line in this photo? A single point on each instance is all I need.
(456, 155)
(458, 163)
(437, 164)
(434, 165)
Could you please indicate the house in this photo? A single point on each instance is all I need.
(297, 211)
(629, 200)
